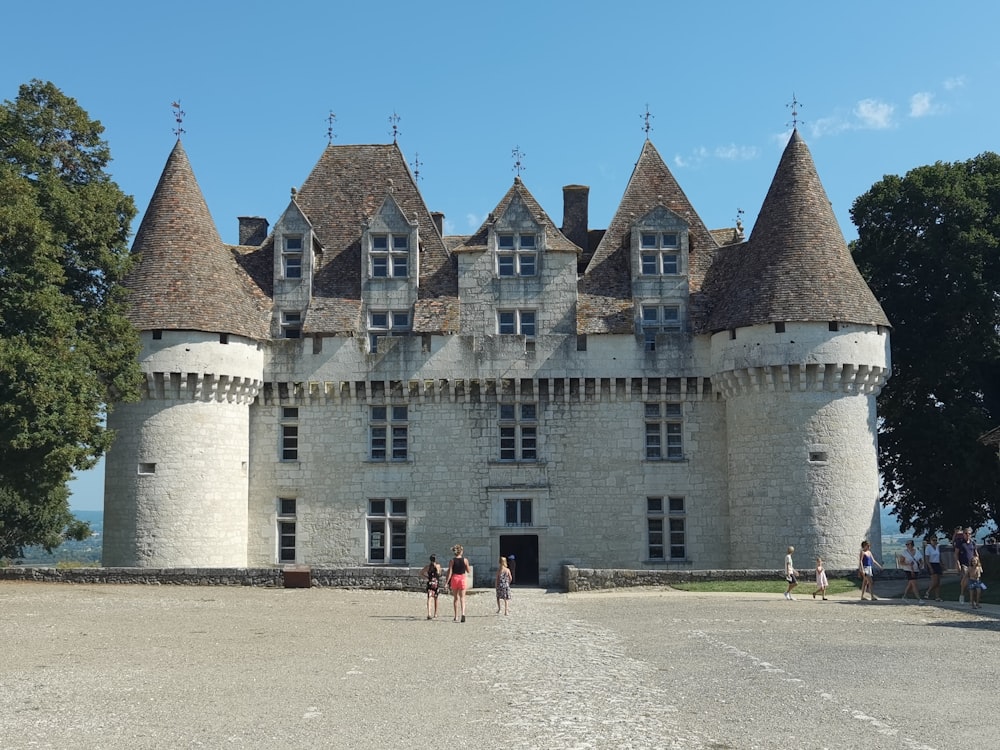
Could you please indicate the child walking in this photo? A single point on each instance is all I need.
(790, 574)
(866, 565)
(976, 584)
(821, 582)
(503, 585)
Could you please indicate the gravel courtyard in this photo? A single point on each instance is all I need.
(211, 667)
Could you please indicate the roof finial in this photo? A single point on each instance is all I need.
(795, 104)
(394, 121)
(646, 125)
(416, 166)
(739, 223)
(518, 155)
(178, 117)
(330, 119)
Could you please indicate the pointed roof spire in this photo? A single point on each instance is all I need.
(796, 265)
(186, 279)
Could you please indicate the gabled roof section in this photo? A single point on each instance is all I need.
(796, 265)
(345, 189)
(186, 278)
(606, 289)
(555, 240)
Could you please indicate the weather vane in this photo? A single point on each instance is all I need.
(394, 121)
(646, 125)
(518, 155)
(416, 166)
(795, 104)
(330, 119)
(178, 118)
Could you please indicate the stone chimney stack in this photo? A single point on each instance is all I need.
(575, 207)
(253, 230)
(438, 219)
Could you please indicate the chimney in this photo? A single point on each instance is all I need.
(438, 219)
(574, 226)
(253, 230)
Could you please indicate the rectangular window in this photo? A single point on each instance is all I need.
(291, 324)
(658, 319)
(388, 433)
(386, 522)
(289, 433)
(386, 323)
(291, 257)
(517, 255)
(518, 432)
(678, 541)
(654, 527)
(390, 256)
(517, 512)
(664, 433)
(516, 322)
(286, 530)
(659, 254)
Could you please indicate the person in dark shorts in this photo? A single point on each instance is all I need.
(911, 562)
(431, 573)
(932, 557)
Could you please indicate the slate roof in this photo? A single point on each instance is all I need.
(555, 240)
(605, 301)
(186, 278)
(796, 265)
(346, 187)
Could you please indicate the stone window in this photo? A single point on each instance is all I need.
(516, 322)
(291, 324)
(388, 430)
(664, 433)
(517, 511)
(517, 254)
(383, 323)
(286, 529)
(386, 522)
(518, 432)
(291, 257)
(390, 256)
(665, 525)
(658, 319)
(659, 253)
(289, 433)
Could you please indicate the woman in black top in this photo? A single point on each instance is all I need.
(431, 572)
(457, 569)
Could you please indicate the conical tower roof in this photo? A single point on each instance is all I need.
(796, 265)
(186, 278)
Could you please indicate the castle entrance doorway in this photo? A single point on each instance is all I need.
(524, 549)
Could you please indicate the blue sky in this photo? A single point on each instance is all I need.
(884, 87)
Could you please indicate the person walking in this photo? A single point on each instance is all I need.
(932, 558)
(457, 569)
(821, 581)
(503, 585)
(866, 568)
(790, 574)
(976, 584)
(965, 550)
(431, 573)
(911, 562)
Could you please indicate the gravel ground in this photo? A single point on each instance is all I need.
(210, 667)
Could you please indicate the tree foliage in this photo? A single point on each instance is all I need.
(66, 347)
(929, 246)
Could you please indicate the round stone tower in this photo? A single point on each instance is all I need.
(800, 349)
(177, 475)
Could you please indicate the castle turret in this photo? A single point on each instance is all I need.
(176, 478)
(800, 349)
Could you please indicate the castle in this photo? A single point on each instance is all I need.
(350, 387)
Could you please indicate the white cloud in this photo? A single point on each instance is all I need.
(732, 152)
(873, 114)
(473, 222)
(956, 82)
(922, 104)
(828, 126)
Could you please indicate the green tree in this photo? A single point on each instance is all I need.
(929, 246)
(66, 348)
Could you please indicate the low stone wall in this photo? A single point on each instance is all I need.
(595, 579)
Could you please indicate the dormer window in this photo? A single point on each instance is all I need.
(291, 324)
(291, 257)
(517, 254)
(660, 253)
(658, 319)
(390, 256)
(516, 322)
(383, 323)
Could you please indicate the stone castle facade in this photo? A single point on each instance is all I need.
(350, 387)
